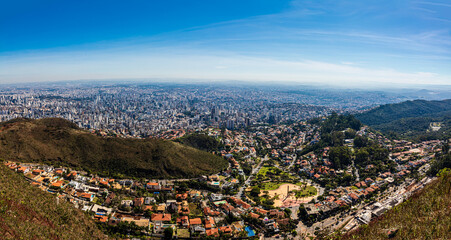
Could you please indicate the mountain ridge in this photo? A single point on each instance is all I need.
(57, 141)
(410, 119)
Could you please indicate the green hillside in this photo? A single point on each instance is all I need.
(60, 142)
(411, 119)
(27, 212)
(200, 141)
(426, 215)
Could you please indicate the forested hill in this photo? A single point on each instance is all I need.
(59, 142)
(412, 119)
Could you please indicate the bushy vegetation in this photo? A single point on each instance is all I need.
(60, 142)
(442, 160)
(269, 177)
(426, 215)
(200, 141)
(340, 156)
(27, 212)
(334, 130)
(336, 122)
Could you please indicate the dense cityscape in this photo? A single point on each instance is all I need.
(142, 110)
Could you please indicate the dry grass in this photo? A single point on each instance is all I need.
(426, 215)
(27, 212)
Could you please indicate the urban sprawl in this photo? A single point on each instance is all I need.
(275, 186)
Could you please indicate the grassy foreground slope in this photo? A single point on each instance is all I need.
(27, 212)
(426, 215)
(60, 142)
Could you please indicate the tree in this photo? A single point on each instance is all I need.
(360, 141)
(338, 139)
(362, 156)
(255, 191)
(340, 156)
(168, 232)
(350, 133)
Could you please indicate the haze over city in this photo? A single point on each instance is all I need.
(344, 43)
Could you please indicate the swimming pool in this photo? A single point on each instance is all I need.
(250, 232)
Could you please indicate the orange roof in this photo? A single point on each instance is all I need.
(57, 184)
(353, 196)
(160, 217)
(225, 229)
(195, 221)
(37, 171)
(101, 218)
(209, 220)
(148, 207)
(213, 231)
(182, 220)
(261, 211)
(21, 169)
(254, 215)
(85, 195)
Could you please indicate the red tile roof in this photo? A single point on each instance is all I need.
(161, 217)
(195, 221)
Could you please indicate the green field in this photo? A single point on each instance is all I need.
(306, 191)
(264, 170)
(271, 185)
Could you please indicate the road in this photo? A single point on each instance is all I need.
(356, 173)
(294, 155)
(248, 180)
(292, 162)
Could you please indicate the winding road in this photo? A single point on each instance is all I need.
(248, 180)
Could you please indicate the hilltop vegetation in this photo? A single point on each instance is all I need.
(60, 142)
(426, 215)
(200, 141)
(411, 119)
(26, 212)
(333, 131)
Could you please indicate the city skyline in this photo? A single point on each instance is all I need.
(347, 44)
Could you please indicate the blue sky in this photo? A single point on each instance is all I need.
(346, 43)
